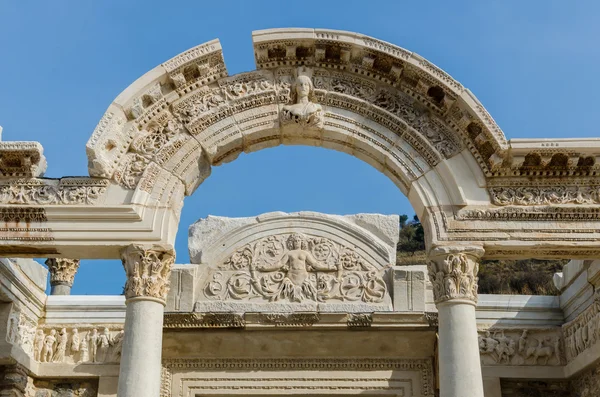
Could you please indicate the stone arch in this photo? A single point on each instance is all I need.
(380, 103)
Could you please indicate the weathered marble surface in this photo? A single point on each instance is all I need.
(304, 261)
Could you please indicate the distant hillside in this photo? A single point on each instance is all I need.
(526, 276)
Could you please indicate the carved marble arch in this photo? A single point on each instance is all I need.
(381, 103)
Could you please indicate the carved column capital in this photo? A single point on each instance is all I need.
(453, 272)
(62, 270)
(148, 270)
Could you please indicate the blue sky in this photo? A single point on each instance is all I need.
(533, 64)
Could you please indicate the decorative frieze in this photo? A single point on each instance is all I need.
(20, 330)
(453, 273)
(296, 268)
(77, 345)
(544, 195)
(290, 319)
(203, 320)
(359, 320)
(62, 270)
(539, 213)
(148, 271)
(510, 346)
(584, 331)
(67, 191)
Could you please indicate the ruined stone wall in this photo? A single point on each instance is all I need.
(587, 384)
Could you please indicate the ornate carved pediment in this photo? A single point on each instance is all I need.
(294, 268)
(298, 262)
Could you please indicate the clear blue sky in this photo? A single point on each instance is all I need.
(533, 64)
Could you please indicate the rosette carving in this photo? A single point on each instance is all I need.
(295, 267)
(453, 273)
(148, 271)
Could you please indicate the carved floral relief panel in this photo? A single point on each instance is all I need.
(296, 268)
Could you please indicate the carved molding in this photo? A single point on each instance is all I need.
(21, 159)
(536, 214)
(67, 191)
(290, 319)
(544, 195)
(432, 318)
(62, 270)
(23, 214)
(359, 320)
(171, 367)
(453, 273)
(148, 271)
(203, 320)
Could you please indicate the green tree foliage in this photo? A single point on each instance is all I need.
(412, 236)
(526, 276)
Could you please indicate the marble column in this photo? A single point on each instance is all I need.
(148, 270)
(453, 273)
(62, 274)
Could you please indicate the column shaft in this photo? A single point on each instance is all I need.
(140, 370)
(148, 270)
(460, 367)
(453, 273)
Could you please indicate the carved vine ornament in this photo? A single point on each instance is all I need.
(296, 268)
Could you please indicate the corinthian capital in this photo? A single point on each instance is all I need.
(62, 270)
(148, 271)
(453, 273)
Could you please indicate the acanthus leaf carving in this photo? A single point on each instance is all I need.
(62, 270)
(453, 273)
(148, 271)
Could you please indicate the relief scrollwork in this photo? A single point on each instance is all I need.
(544, 195)
(296, 268)
(42, 192)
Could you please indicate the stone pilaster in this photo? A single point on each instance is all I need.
(453, 273)
(62, 274)
(148, 270)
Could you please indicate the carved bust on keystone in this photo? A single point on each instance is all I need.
(303, 110)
